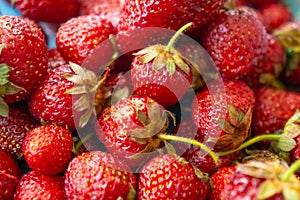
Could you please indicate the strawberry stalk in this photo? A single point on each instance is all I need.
(177, 34)
(292, 169)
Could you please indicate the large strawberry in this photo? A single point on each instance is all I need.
(47, 10)
(47, 149)
(77, 37)
(23, 59)
(14, 128)
(238, 47)
(167, 14)
(99, 175)
(171, 177)
(34, 185)
(223, 112)
(9, 176)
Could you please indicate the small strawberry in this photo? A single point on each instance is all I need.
(54, 59)
(47, 10)
(14, 128)
(9, 176)
(77, 37)
(99, 175)
(171, 177)
(223, 112)
(34, 185)
(137, 14)
(23, 59)
(47, 149)
(276, 14)
(237, 48)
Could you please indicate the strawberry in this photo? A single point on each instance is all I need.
(137, 14)
(255, 180)
(23, 59)
(171, 177)
(47, 149)
(107, 9)
(77, 37)
(273, 109)
(276, 14)
(9, 175)
(54, 59)
(34, 185)
(222, 112)
(47, 10)
(237, 48)
(266, 72)
(14, 128)
(99, 175)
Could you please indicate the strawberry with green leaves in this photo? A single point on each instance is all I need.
(23, 59)
(99, 175)
(171, 177)
(47, 149)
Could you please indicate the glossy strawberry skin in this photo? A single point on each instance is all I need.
(273, 109)
(77, 37)
(237, 48)
(170, 177)
(160, 85)
(48, 10)
(104, 177)
(49, 102)
(14, 128)
(34, 185)
(25, 51)
(9, 175)
(54, 59)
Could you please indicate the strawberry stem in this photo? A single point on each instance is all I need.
(269, 137)
(293, 168)
(189, 141)
(177, 34)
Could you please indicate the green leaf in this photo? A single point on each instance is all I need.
(233, 115)
(180, 62)
(76, 90)
(170, 148)
(290, 193)
(85, 118)
(76, 68)
(286, 143)
(159, 62)
(292, 126)
(82, 103)
(10, 88)
(149, 56)
(132, 193)
(4, 70)
(171, 67)
(77, 79)
(268, 189)
(4, 109)
(226, 126)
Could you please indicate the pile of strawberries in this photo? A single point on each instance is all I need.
(128, 107)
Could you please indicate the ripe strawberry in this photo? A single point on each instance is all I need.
(137, 14)
(14, 128)
(107, 9)
(47, 149)
(47, 10)
(171, 177)
(34, 185)
(23, 58)
(273, 109)
(255, 180)
(99, 175)
(54, 59)
(77, 37)
(223, 112)
(9, 176)
(276, 14)
(266, 72)
(237, 48)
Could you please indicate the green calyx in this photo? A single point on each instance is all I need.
(167, 57)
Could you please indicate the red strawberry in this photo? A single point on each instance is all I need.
(34, 185)
(255, 180)
(273, 109)
(171, 177)
(47, 149)
(237, 48)
(99, 175)
(223, 113)
(23, 58)
(14, 128)
(107, 9)
(54, 59)
(77, 37)
(9, 176)
(276, 14)
(137, 14)
(47, 10)
(259, 3)
(266, 72)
